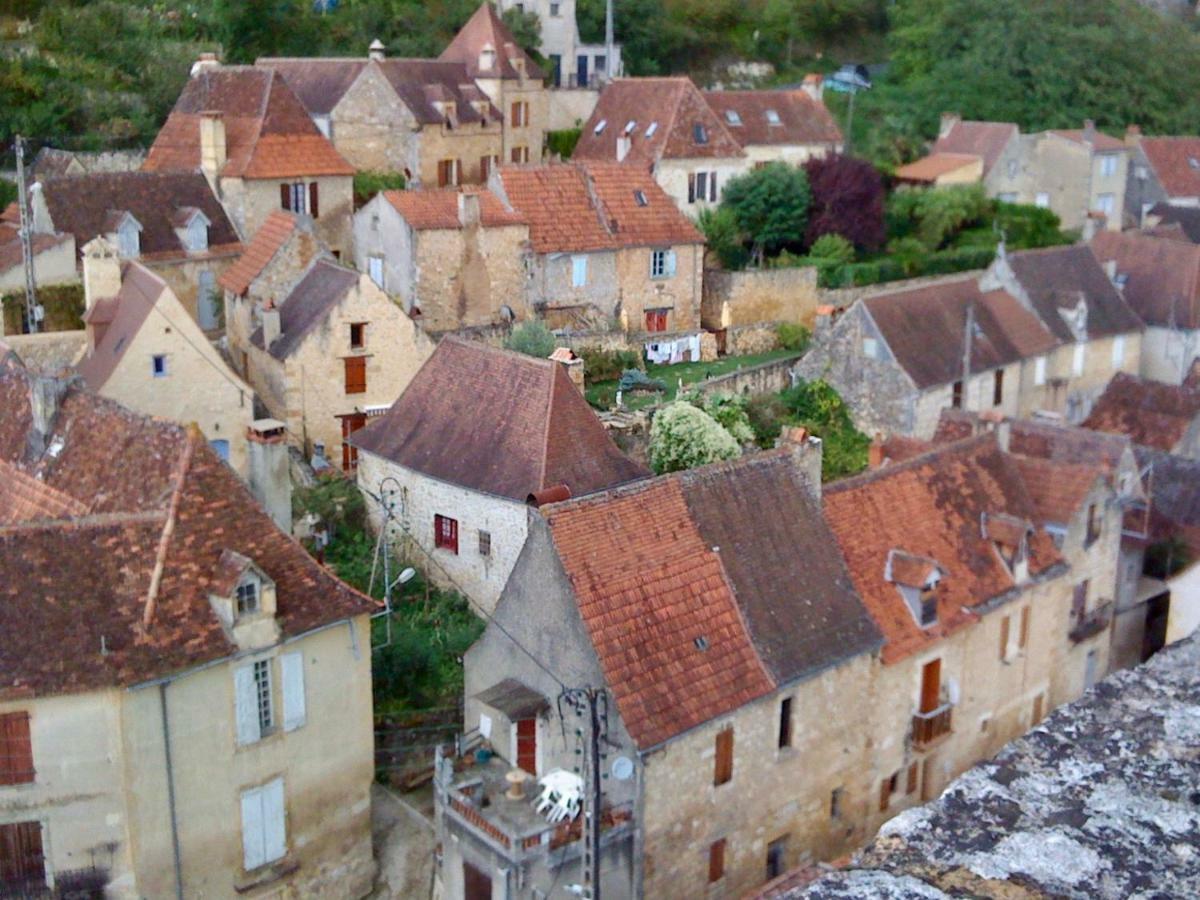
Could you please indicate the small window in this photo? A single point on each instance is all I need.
(1023, 632)
(578, 271)
(772, 117)
(630, 125)
(998, 388)
(662, 263)
(700, 643)
(375, 270)
(358, 335)
(197, 235)
(158, 365)
(716, 860)
(1118, 351)
(1093, 525)
(1193, 162)
(928, 607)
(519, 154)
(732, 117)
(262, 696)
(639, 197)
(555, 9)
(247, 598)
(445, 533)
(1005, 635)
(1039, 371)
(449, 172)
(1106, 203)
(1042, 200)
(485, 543)
(785, 722)
(600, 126)
(129, 240)
(656, 319)
(956, 395)
(700, 133)
(870, 348)
(776, 857)
(1108, 165)
(835, 802)
(723, 763)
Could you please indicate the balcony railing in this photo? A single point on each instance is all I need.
(1092, 623)
(929, 726)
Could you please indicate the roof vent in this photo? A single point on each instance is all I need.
(630, 125)
(701, 643)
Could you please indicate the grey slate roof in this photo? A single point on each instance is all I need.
(309, 302)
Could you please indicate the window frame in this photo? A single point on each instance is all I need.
(355, 366)
(723, 756)
(445, 533)
(264, 696)
(248, 605)
(485, 543)
(998, 387)
(157, 370)
(359, 329)
(786, 722)
(16, 748)
(579, 267)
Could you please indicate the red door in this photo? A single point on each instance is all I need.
(931, 685)
(527, 745)
(476, 883)
(350, 424)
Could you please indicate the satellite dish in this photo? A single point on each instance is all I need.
(622, 768)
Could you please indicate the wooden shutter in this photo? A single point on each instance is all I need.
(1004, 624)
(356, 374)
(712, 187)
(716, 860)
(931, 685)
(914, 771)
(1037, 709)
(485, 167)
(285, 196)
(16, 749)
(245, 705)
(723, 768)
(22, 864)
(254, 852)
(691, 187)
(885, 794)
(292, 665)
(477, 885)
(313, 208)
(274, 821)
(670, 263)
(1023, 635)
(527, 745)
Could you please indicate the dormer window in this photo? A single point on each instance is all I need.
(129, 238)
(487, 58)
(247, 597)
(600, 126)
(639, 197)
(928, 600)
(772, 117)
(1010, 538)
(732, 117)
(700, 133)
(197, 235)
(629, 126)
(917, 579)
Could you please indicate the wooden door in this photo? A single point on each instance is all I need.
(22, 865)
(477, 884)
(350, 424)
(931, 685)
(527, 745)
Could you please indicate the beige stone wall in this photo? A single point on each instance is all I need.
(792, 154)
(372, 128)
(680, 292)
(979, 396)
(505, 92)
(468, 143)
(327, 766)
(672, 177)
(774, 791)
(766, 295)
(464, 276)
(570, 107)
(249, 202)
(183, 277)
(1071, 395)
(53, 266)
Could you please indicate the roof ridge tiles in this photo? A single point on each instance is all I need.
(961, 445)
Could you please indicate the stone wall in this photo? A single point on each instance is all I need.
(765, 378)
(372, 129)
(761, 295)
(844, 298)
(750, 339)
(250, 201)
(681, 292)
(672, 177)
(571, 107)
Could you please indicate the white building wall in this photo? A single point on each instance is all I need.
(1184, 617)
(1167, 353)
(672, 177)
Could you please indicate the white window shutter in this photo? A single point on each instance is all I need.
(253, 845)
(245, 704)
(670, 262)
(274, 820)
(293, 690)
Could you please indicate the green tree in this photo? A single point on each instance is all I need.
(683, 437)
(832, 247)
(770, 206)
(730, 411)
(723, 237)
(525, 27)
(531, 338)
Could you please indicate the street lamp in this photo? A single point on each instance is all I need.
(849, 79)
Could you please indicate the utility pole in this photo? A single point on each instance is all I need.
(591, 703)
(31, 307)
(608, 40)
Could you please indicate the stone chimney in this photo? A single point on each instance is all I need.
(468, 209)
(1089, 132)
(376, 51)
(205, 62)
(806, 453)
(270, 478)
(270, 324)
(949, 120)
(624, 145)
(212, 143)
(101, 271)
(875, 453)
(567, 358)
(45, 394)
(1133, 134)
(814, 86)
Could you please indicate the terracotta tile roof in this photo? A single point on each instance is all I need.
(799, 119)
(924, 327)
(486, 29)
(1150, 413)
(580, 207)
(1063, 443)
(12, 256)
(1161, 276)
(23, 498)
(1101, 142)
(1175, 497)
(1057, 488)
(121, 318)
(1176, 163)
(1184, 221)
(932, 506)
(307, 304)
(318, 83)
(985, 139)
(931, 168)
(430, 209)
(268, 133)
(516, 425)
(84, 206)
(271, 235)
(673, 106)
(133, 474)
(1057, 278)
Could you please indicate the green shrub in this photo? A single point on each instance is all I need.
(766, 413)
(637, 380)
(607, 365)
(531, 338)
(368, 184)
(729, 410)
(8, 192)
(683, 437)
(563, 142)
(723, 237)
(792, 336)
(832, 247)
(820, 409)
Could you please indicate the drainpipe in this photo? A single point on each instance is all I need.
(162, 703)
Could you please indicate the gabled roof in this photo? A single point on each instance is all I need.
(437, 209)
(931, 168)
(798, 120)
(83, 205)
(1057, 489)
(925, 328)
(268, 132)
(1150, 413)
(132, 497)
(486, 29)
(1057, 278)
(12, 255)
(318, 83)
(122, 317)
(1161, 276)
(307, 304)
(933, 506)
(983, 139)
(665, 112)
(1175, 497)
(695, 603)
(1176, 163)
(271, 235)
(1186, 220)
(579, 207)
(1101, 142)
(497, 422)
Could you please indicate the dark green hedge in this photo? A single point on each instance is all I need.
(63, 304)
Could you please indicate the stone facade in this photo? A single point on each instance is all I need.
(53, 265)
(672, 176)
(732, 299)
(249, 202)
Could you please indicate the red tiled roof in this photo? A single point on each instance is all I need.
(11, 254)
(484, 29)
(1101, 142)
(272, 234)
(1057, 488)
(931, 168)
(673, 106)
(1162, 277)
(516, 424)
(579, 207)
(985, 139)
(1176, 163)
(932, 506)
(1150, 413)
(24, 498)
(801, 120)
(268, 133)
(430, 209)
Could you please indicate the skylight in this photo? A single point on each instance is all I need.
(640, 198)
(772, 117)
(732, 117)
(651, 129)
(700, 133)
(630, 125)
(1193, 162)
(600, 126)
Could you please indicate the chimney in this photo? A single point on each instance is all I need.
(1089, 131)
(270, 323)
(205, 62)
(270, 478)
(1133, 134)
(376, 50)
(212, 143)
(567, 358)
(806, 453)
(45, 395)
(468, 209)
(875, 454)
(814, 86)
(1110, 269)
(101, 271)
(624, 145)
(949, 120)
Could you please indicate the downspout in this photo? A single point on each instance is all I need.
(162, 702)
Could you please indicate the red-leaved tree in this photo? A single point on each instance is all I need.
(847, 199)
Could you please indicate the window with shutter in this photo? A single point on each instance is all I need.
(356, 374)
(22, 864)
(716, 860)
(264, 825)
(723, 767)
(254, 851)
(691, 187)
(1023, 636)
(445, 533)
(245, 705)
(285, 196)
(670, 263)
(578, 271)
(1004, 627)
(712, 187)
(314, 208)
(701, 185)
(785, 722)
(292, 667)
(16, 749)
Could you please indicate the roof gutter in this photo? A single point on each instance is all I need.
(166, 731)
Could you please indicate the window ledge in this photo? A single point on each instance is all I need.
(267, 874)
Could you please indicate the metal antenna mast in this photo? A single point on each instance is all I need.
(31, 307)
(592, 703)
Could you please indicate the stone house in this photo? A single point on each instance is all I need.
(244, 128)
(608, 245)
(1164, 417)
(474, 435)
(570, 62)
(778, 126)
(53, 261)
(51, 161)
(1161, 170)
(455, 259)
(1159, 277)
(897, 358)
(171, 223)
(732, 768)
(664, 125)
(332, 352)
(146, 352)
(197, 721)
